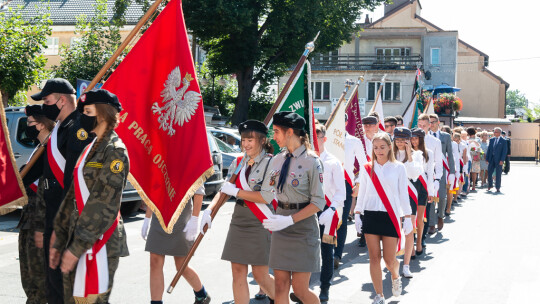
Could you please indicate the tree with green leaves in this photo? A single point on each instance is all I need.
(21, 46)
(100, 37)
(258, 40)
(514, 100)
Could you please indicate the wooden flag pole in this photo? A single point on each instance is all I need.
(348, 84)
(309, 48)
(378, 94)
(221, 200)
(355, 89)
(100, 74)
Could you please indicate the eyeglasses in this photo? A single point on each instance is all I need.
(320, 137)
(433, 122)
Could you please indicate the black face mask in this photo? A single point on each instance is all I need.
(88, 123)
(31, 132)
(51, 111)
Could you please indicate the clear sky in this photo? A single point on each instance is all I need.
(507, 31)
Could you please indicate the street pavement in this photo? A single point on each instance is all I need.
(487, 252)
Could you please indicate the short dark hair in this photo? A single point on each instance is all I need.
(320, 129)
(399, 118)
(471, 131)
(391, 119)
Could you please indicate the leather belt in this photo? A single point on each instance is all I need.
(241, 203)
(292, 206)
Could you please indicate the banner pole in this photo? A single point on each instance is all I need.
(308, 49)
(348, 84)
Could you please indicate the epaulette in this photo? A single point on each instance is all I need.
(312, 154)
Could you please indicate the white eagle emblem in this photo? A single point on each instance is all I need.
(178, 105)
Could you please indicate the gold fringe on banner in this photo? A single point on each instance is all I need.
(189, 194)
(13, 205)
(328, 239)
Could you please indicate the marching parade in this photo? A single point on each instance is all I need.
(300, 193)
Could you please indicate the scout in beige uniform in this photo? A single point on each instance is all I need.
(248, 242)
(296, 179)
(88, 229)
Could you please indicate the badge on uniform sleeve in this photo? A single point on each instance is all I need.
(295, 182)
(321, 177)
(82, 134)
(117, 166)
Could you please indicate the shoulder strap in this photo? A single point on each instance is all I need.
(266, 168)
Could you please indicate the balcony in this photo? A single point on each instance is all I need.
(352, 62)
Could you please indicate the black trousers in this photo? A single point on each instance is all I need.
(327, 256)
(342, 231)
(55, 286)
(426, 226)
(507, 165)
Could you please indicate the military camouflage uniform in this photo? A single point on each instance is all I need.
(105, 173)
(31, 258)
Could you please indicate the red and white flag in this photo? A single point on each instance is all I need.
(162, 124)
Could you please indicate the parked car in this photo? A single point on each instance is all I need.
(227, 135)
(229, 154)
(131, 201)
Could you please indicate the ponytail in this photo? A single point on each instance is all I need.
(304, 138)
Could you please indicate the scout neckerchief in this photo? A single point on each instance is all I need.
(261, 211)
(33, 185)
(386, 202)
(57, 162)
(92, 273)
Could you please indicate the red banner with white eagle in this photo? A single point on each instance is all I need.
(162, 122)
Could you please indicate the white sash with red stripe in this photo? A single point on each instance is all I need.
(57, 162)
(261, 211)
(387, 205)
(332, 228)
(92, 273)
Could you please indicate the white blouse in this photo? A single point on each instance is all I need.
(393, 178)
(414, 167)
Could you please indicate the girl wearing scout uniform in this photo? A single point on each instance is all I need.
(296, 180)
(248, 242)
(383, 200)
(89, 233)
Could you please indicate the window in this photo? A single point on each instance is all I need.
(435, 56)
(52, 46)
(320, 90)
(387, 54)
(391, 91)
(326, 58)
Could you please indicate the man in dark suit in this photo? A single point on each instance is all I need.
(496, 154)
(507, 160)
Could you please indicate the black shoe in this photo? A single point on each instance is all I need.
(350, 218)
(260, 296)
(419, 253)
(413, 257)
(323, 296)
(447, 213)
(336, 262)
(204, 300)
(362, 241)
(294, 298)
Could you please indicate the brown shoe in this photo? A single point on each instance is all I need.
(440, 224)
(431, 230)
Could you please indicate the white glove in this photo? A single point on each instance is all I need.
(326, 217)
(229, 189)
(451, 178)
(358, 222)
(206, 219)
(191, 228)
(436, 186)
(145, 227)
(278, 222)
(407, 226)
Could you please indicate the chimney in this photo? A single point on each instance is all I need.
(367, 19)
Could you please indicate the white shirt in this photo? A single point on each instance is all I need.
(413, 168)
(334, 187)
(428, 170)
(369, 146)
(457, 152)
(353, 150)
(434, 144)
(393, 178)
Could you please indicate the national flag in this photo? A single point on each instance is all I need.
(378, 107)
(429, 108)
(295, 100)
(162, 124)
(12, 193)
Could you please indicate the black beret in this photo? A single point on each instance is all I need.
(55, 85)
(34, 111)
(402, 132)
(503, 133)
(99, 96)
(253, 125)
(417, 132)
(370, 120)
(289, 120)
